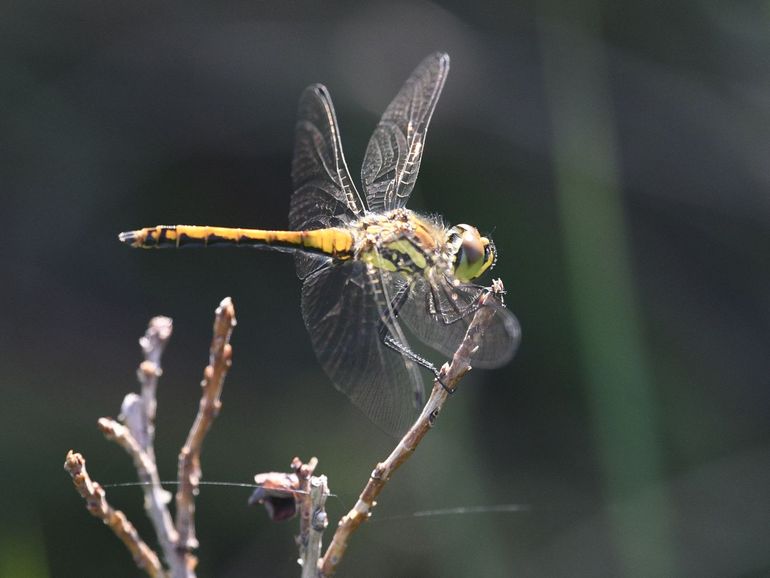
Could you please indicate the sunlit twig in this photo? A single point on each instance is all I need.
(450, 374)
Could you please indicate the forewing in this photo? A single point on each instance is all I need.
(344, 310)
(392, 158)
(324, 194)
(439, 315)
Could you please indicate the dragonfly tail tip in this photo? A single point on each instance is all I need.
(129, 238)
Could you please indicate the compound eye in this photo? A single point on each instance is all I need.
(472, 248)
(469, 254)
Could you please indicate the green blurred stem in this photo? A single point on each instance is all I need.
(620, 391)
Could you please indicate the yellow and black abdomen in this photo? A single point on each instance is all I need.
(334, 242)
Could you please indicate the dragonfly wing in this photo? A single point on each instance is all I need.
(342, 306)
(324, 194)
(392, 158)
(439, 316)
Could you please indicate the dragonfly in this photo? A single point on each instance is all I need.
(371, 269)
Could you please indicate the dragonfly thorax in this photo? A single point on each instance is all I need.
(400, 241)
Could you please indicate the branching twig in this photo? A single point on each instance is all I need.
(283, 494)
(189, 472)
(96, 503)
(137, 413)
(155, 497)
(450, 376)
(136, 434)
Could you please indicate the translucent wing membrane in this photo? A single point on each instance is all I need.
(324, 194)
(345, 309)
(352, 304)
(439, 314)
(392, 158)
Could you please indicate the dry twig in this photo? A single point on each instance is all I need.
(136, 435)
(96, 503)
(451, 374)
(189, 469)
(155, 497)
(153, 344)
(304, 474)
(311, 552)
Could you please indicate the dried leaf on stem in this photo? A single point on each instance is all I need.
(284, 495)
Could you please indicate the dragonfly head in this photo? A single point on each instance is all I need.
(473, 254)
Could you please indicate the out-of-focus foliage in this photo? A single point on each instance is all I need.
(617, 151)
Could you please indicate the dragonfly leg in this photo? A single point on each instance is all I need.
(404, 350)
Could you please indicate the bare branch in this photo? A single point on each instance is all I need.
(451, 374)
(153, 344)
(311, 553)
(137, 434)
(96, 503)
(156, 499)
(189, 469)
(304, 473)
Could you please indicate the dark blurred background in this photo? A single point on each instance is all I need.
(618, 151)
